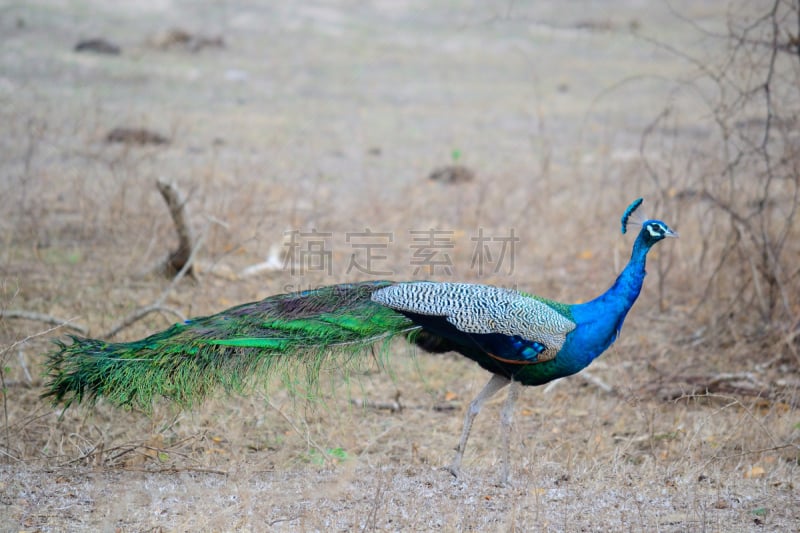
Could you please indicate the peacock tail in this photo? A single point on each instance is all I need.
(230, 349)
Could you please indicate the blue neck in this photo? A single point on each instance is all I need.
(600, 320)
(629, 283)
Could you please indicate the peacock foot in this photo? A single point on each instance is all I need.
(453, 469)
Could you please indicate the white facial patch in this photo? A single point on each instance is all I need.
(655, 233)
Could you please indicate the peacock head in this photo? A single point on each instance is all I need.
(652, 230)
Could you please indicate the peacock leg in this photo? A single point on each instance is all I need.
(490, 389)
(506, 417)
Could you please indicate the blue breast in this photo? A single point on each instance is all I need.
(600, 320)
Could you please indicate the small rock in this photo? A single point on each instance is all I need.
(98, 46)
(452, 174)
(180, 38)
(138, 136)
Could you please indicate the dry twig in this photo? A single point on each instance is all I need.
(158, 305)
(391, 406)
(738, 383)
(41, 317)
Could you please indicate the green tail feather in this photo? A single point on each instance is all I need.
(230, 349)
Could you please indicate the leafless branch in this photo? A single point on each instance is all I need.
(40, 317)
(140, 314)
(158, 305)
(176, 202)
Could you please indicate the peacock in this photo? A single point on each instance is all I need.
(521, 339)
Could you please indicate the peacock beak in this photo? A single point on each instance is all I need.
(671, 233)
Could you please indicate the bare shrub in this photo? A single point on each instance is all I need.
(740, 177)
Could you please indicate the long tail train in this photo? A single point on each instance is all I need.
(230, 349)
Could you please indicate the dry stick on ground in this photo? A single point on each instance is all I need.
(158, 305)
(391, 406)
(179, 261)
(741, 383)
(40, 317)
(102, 455)
(395, 406)
(176, 202)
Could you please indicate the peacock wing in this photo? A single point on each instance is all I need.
(536, 328)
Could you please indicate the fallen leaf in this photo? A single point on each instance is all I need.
(754, 472)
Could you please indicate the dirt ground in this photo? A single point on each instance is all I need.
(278, 117)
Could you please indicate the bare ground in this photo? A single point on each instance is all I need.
(330, 115)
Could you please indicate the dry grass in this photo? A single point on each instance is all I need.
(312, 117)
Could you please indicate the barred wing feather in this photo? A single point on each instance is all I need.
(482, 309)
